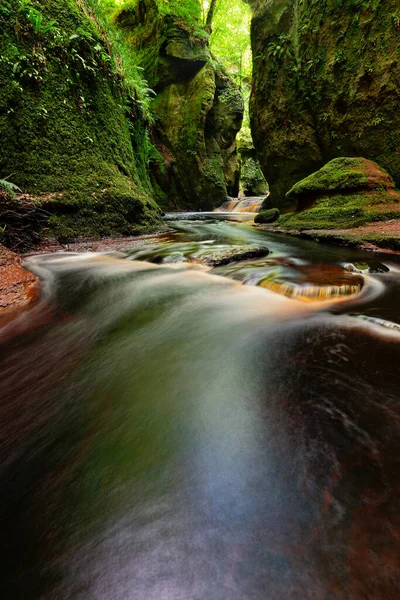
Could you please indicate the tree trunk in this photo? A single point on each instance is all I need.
(210, 16)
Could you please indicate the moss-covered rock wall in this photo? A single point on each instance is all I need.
(198, 109)
(326, 84)
(70, 135)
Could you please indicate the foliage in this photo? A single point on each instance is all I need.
(188, 11)
(230, 38)
(8, 187)
(125, 62)
(36, 19)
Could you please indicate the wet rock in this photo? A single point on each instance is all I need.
(236, 256)
(267, 216)
(252, 180)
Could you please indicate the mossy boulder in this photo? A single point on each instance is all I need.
(340, 175)
(198, 109)
(70, 135)
(326, 84)
(267, 216)
(346, 192)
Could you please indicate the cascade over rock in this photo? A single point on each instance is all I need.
(68, 136)
(326, 84)
(198, 109)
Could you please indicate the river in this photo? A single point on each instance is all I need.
(176, 427)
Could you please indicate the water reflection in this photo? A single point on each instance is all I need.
(168, 433)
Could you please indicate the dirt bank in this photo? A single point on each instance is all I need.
(18, 287)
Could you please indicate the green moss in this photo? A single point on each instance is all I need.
(344, 211)
(339, 175)
(197, 109)
(68, 134)
(252, 181)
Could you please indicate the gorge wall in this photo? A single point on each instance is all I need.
(198, 109)
(326, 84)
(71, 136)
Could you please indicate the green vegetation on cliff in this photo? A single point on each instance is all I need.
(197, 108)
(72, 135)
(326, 84)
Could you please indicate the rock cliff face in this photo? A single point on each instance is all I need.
(252, 180)
(68, 135)
(198, 110)
(326, 84)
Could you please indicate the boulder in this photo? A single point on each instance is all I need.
(267, 216)
(345, 193)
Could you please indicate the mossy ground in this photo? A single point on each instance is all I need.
(345, 211)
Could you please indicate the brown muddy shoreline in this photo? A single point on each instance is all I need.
(18, 287)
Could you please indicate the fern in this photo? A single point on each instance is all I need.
(10, 188)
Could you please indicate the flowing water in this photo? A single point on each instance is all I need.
(179, 428)
(250, 204)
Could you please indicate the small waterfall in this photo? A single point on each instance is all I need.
(311, 293)
(242, 205)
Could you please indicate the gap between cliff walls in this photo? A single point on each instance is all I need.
(230, 41)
